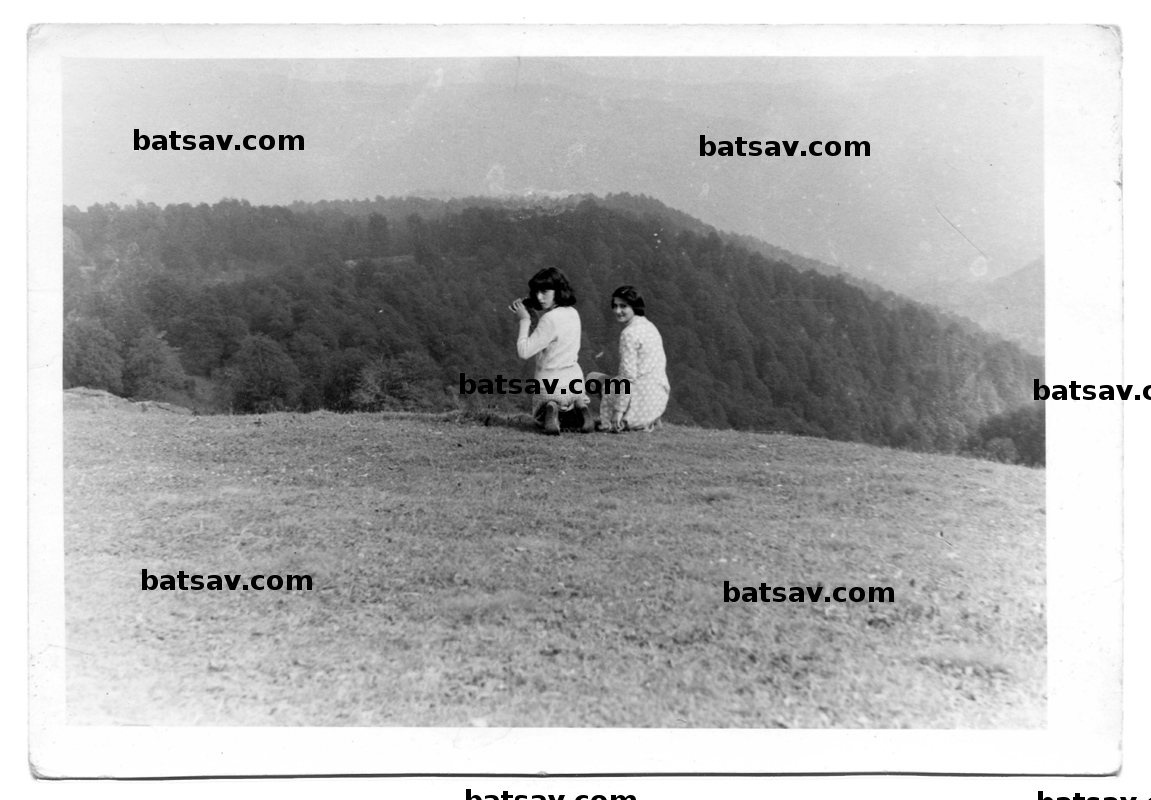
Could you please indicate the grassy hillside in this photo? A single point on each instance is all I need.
(471, 575)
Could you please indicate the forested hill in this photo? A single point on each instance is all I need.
(378, 304)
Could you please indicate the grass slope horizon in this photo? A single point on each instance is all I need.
(473, 575)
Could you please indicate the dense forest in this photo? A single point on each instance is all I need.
(377, 304)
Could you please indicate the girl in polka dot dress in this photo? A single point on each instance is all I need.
(642, 362)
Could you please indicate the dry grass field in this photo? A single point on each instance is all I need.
(467, 574)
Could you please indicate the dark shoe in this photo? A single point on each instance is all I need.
(588, 423)
(552, 419)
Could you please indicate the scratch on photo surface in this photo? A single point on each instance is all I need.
(961, 233)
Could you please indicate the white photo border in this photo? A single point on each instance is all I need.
(1083, 251)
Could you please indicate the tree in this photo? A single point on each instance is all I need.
(408, 381)
(263, 377)
(379, 238)
(152, 368)
(91, 356)
(1016, 437)
(1002, 449)
(342, 377)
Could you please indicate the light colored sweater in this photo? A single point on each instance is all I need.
(555, 341)
(555, 344)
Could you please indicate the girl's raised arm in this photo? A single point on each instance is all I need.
(544, 334)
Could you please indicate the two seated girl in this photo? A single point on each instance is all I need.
(555, 342)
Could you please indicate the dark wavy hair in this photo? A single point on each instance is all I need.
(552, 278)
(630, 296)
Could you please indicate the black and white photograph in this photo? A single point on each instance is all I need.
(565, 395)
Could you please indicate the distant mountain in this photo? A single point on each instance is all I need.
(1011, 306)
(643, 207)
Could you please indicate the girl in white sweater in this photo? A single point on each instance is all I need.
(555, 344)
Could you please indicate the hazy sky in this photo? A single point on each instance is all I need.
(953, 186)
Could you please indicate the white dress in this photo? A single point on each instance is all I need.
(643, 363)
